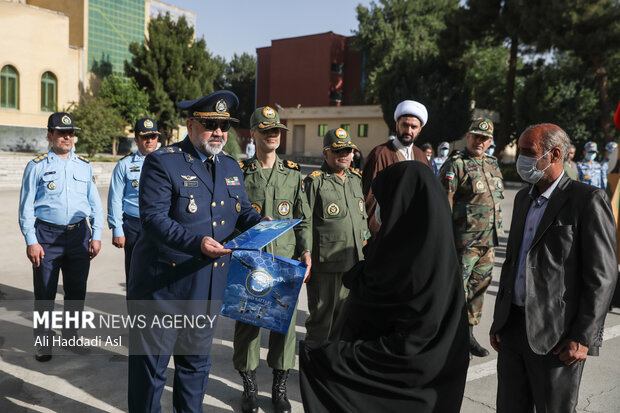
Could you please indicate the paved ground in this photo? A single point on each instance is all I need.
(97, 383)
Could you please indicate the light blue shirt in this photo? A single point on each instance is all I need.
(59, 191)
(537, 209)
(604, 172)
(123, 193)
(439, 161)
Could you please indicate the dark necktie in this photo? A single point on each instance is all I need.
(210, 167)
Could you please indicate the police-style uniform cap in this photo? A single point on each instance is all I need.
(482, 127)
(61, 121)
(590, 147)
(146, 126)
(611, 146)
(265, 118)
(444, 145)
(218, 106)
(336, 139)
(411, 108)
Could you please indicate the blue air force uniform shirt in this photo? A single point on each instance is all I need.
(123, 193)
(59, 191)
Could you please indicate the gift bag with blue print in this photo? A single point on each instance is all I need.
(262, 288)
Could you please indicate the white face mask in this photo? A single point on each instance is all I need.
(428, 157)
(443, 152)
(590, 156)
(526, 168)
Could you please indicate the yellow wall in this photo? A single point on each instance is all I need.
(34, 41)
(75, 10)
(334, 117)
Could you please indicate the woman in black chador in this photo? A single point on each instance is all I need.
(402, 344)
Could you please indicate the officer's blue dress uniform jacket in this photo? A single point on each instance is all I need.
(123, 194)
(167, 263)
(61, 192)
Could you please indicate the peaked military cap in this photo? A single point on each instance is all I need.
(217, 105)
(482, 127)
(265, 118)
(336, 139)
(61, 121)
(590, 147)
(146, 126)
(611, 146)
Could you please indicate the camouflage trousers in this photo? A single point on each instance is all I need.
(477, 270)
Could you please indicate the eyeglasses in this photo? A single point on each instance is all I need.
(212, 125)
(343, 151)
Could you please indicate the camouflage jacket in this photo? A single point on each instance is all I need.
(475, 190)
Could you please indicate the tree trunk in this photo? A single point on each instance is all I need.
(503, 136)
(601, 79)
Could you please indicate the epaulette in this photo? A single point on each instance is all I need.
(169, 149)
(457, 153)
(241, 165)
(354, 172)
(129, 154)
(81, 158)
(39, 157)
(291, 165)
(316, 173)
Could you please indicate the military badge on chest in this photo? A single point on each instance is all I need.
(333, 209)
(192, 207)
(284, 208)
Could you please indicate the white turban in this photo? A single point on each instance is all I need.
(411, 108)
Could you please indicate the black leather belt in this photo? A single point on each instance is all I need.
(69, 227)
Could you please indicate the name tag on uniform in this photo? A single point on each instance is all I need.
(49, 173)
(190, 183)
(135, 169)
(234, 181)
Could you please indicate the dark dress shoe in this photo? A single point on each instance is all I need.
(43, 353)
(475, 349)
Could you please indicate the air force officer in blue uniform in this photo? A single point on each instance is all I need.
(192, 198)
(58, 201)
(123, 209)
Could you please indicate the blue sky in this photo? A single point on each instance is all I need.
(237, 26)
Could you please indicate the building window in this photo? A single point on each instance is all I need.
(346, 127)
(337, 68)
(48, 92)
(9, 88)
(362, 130)
(322, 129)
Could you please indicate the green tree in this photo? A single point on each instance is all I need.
(232, 145)
(99, 122)
(404, 61)
(126, 97)
(239, 76)
(171, 66)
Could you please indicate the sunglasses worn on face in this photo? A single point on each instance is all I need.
(344, 151)
(212, 125)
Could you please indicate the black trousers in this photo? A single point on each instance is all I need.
(527, 380)
(131, 228)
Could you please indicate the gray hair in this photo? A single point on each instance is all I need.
(553, 137)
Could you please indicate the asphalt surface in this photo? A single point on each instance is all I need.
(98, 382)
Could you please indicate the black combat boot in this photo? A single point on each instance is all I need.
(249, 398)
(278, 392)
(475, 348)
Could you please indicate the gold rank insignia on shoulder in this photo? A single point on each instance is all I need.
(315, 173)
(354, 172)
(292, 165)
(39, 158)
(241, 164)
(80, 157)
(189, 157)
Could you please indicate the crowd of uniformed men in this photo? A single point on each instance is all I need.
(173, 208)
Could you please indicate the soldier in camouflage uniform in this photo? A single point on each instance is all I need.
(275, 188)
(473, 182)
(339, 231)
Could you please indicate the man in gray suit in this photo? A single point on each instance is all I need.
(556, 282)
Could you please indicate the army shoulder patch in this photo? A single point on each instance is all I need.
(450, 176)
(291, 165)
(83, 159)
(39, 158)
(316, 173)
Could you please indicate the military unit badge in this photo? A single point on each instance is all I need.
(284, 208)
(237, 206)
(192, 207)
(220, 106)
(480, 186)
(483, 125)
(361, 204)
(269, 113)
(341, 133)
(333, 209)
(66, 120)
(148, 124)
(256, 207)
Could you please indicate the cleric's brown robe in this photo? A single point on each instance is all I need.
(379, 158)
